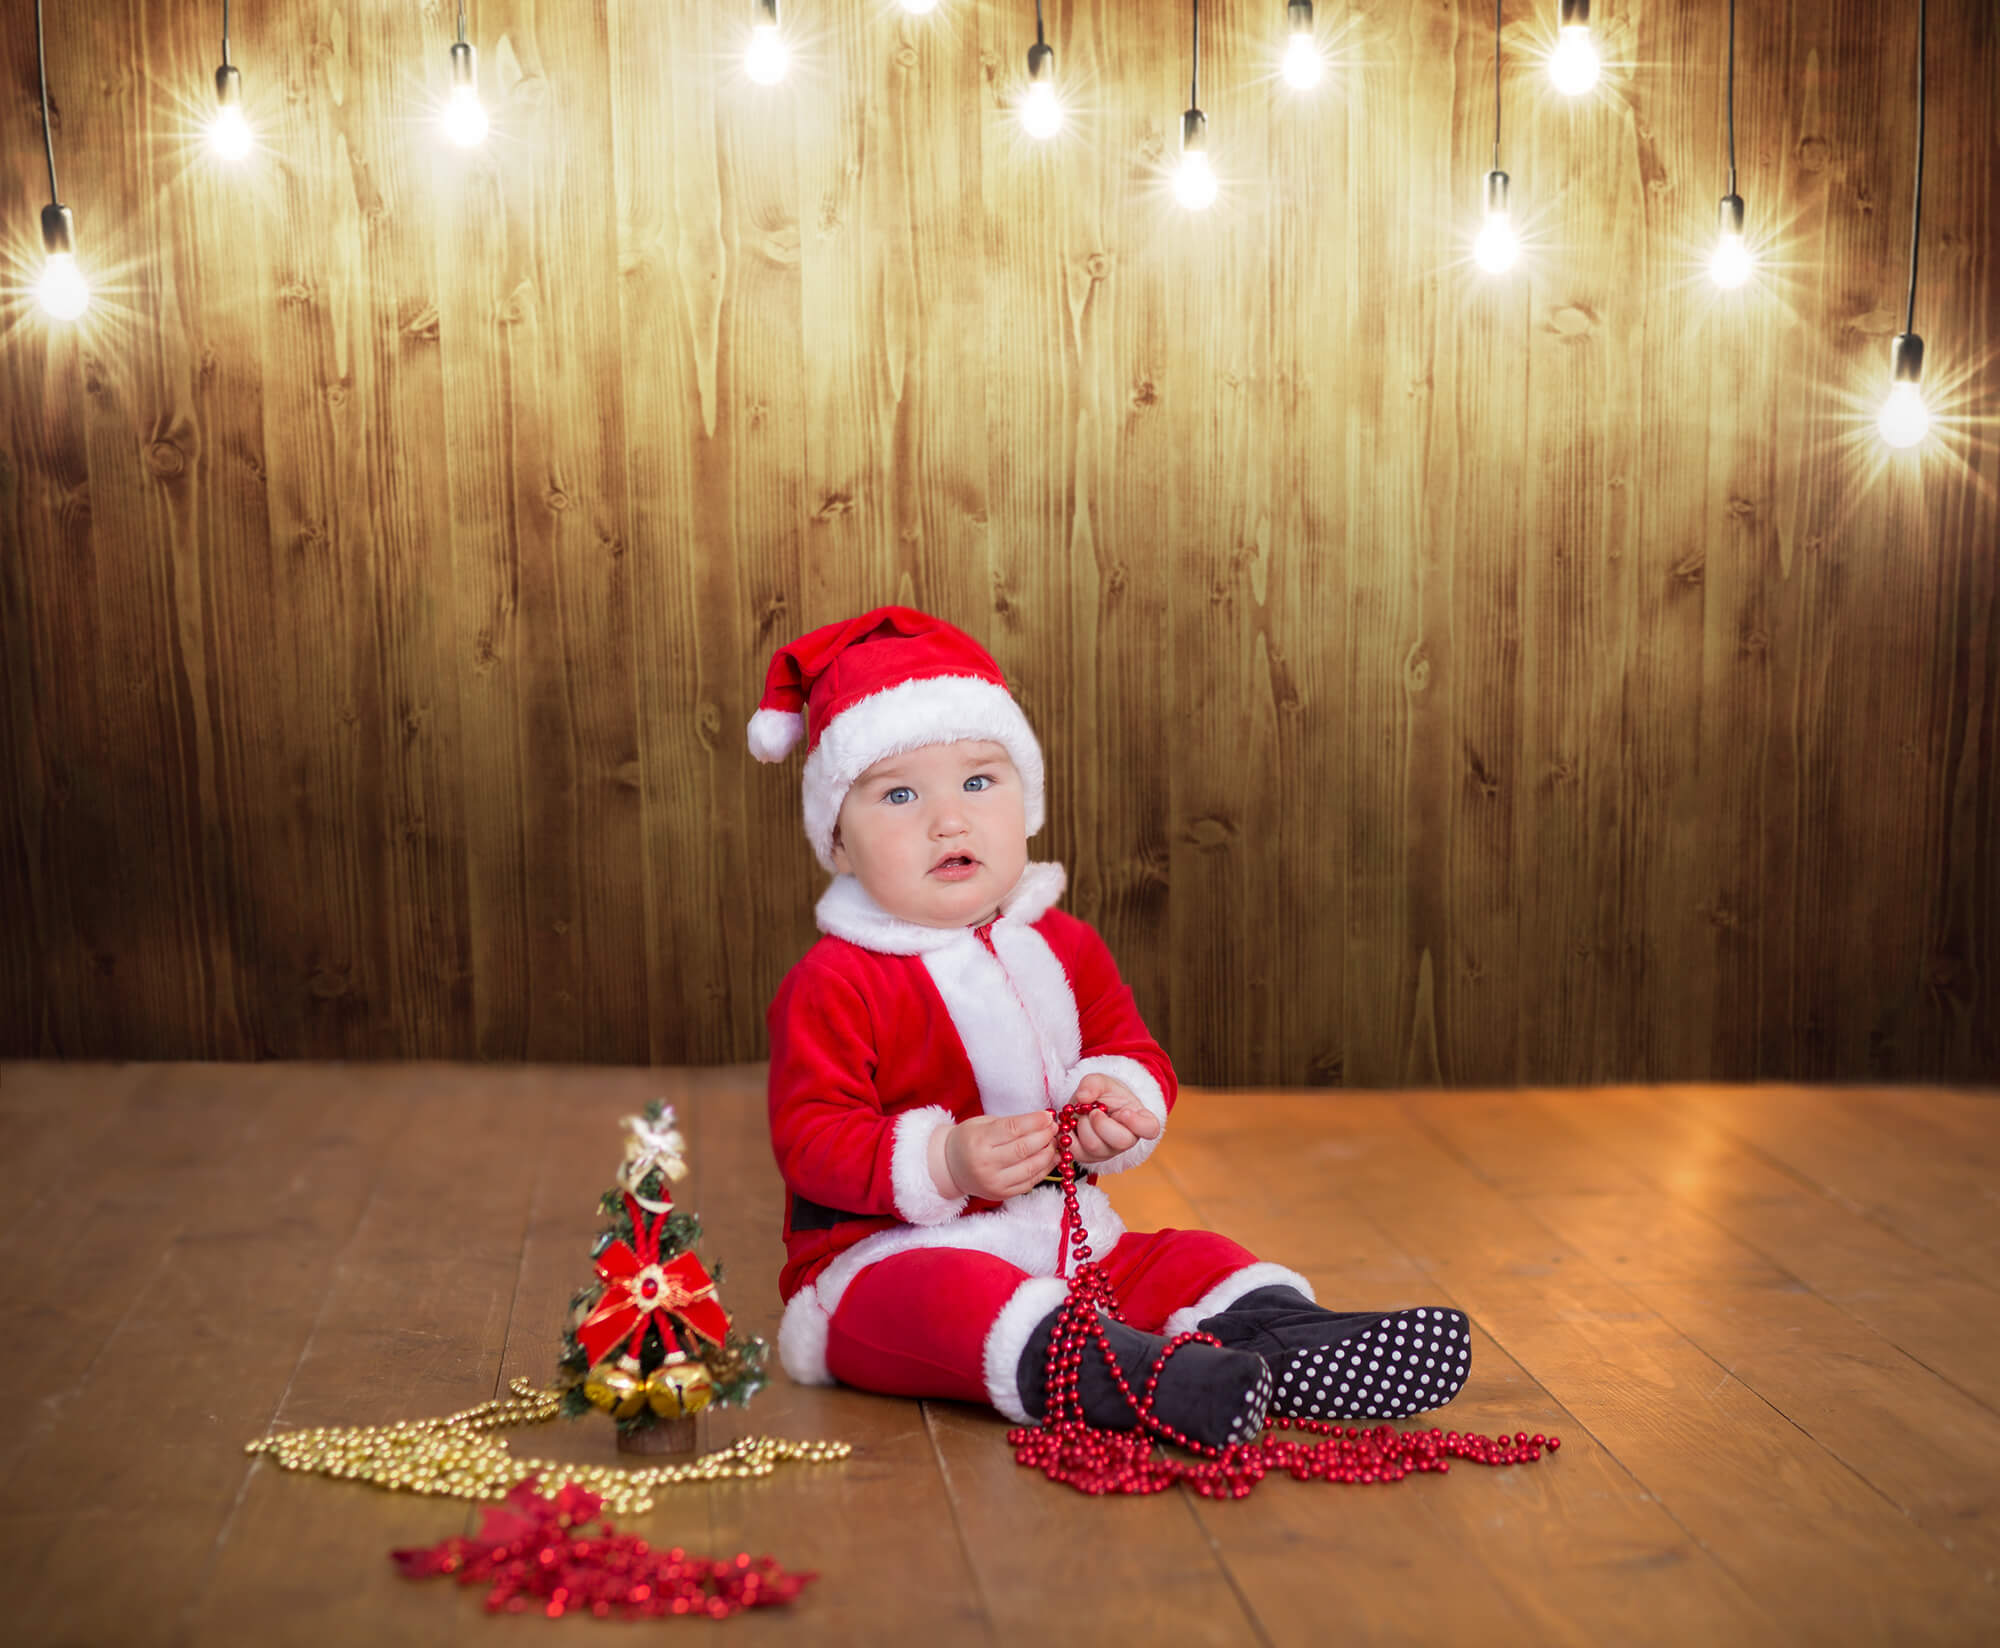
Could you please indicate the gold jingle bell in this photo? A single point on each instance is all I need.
(679, 1390)
(619, 1391)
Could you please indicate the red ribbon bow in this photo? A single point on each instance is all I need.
(639, 1288)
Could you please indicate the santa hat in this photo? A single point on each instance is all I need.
(891, 680)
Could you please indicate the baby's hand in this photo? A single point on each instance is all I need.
(1121, 1124)
(994, 1157)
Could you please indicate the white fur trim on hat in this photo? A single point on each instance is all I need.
(1008, 1337)
(932, 709)
(917, 1198)
(1231, 1288)
(1137, 1077)
(774, 734)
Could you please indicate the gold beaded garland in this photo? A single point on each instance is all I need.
(457, 1457)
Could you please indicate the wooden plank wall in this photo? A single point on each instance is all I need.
(1444, 680)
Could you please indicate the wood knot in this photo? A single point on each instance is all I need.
(906, 56)
(556, 499)
(1573, 320)
(1097, 265)
(1211, 835)
(1417, 668)
(1812, 153)
(165, 460)
(1144, 394)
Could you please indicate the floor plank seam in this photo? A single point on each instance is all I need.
(1827, 1193)
(957, 1521)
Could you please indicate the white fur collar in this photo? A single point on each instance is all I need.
(846, 911)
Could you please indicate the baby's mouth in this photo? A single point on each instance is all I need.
(955, 861)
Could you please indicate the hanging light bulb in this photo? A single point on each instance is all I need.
(1303, 64)
(1730, 265)
(1496, 248)
(766, 59)
(1904, 419)
(1194, 181)
(62, 291)
(1041, 114)
(228, 132)
(1573, 64)
(464, 118)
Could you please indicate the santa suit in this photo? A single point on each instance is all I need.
(887, 1030)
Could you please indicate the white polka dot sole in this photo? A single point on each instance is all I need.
(1249, 1421)
(1407, 1363)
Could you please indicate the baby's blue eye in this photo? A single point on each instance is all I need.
(980, 779)
(900, 789)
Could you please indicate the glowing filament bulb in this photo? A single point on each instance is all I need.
(1904, 420)
(1303, 64)
(1496, 248)
(1573, 65)
(1731, 263)
(229, 133)
(766, 60)
(62, 290)
(1194, 183)
(464, 118)
(1041, 114)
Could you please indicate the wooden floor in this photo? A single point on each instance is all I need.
(1764, 1321)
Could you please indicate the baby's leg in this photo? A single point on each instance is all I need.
(1167, 1279)
(953, 1323)
(1327, 1364)
(917, 1323)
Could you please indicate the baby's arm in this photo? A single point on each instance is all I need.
(832, 1141)
(1122, 1066)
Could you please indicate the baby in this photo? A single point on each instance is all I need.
(920, 1049)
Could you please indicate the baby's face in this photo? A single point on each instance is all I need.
(937, 835)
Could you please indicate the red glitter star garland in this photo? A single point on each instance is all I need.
(534, 1551)
(1068, 1449)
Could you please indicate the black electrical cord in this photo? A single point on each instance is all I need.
(1496, 85)
(225, 33)
(1039, 39)
(1194, 83)
(1732, 96)
(48, 141)
(1917, 206)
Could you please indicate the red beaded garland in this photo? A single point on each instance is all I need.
(531, 1551)
(1067, 1449)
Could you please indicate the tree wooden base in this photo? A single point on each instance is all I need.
(667, 1436)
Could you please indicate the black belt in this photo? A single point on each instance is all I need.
(810, 1215)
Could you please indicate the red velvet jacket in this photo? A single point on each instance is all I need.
(886, 1030)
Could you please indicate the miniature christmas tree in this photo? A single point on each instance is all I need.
(649, 1342)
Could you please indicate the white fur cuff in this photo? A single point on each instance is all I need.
(1137, 1077)
(1008, 1337)
(917, 1198)
(1231, 1288)
(802, 1338)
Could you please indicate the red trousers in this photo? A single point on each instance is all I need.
(922, 1322)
